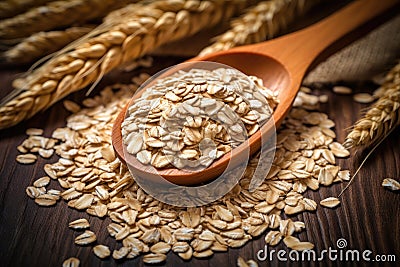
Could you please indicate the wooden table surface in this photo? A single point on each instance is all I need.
(368, 217)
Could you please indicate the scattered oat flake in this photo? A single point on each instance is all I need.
(330, 202)
(79, 224)
(102, 251)
(46, 153)
(22, 149)
(291, 241)
(344, 175)
(45, 202)
(71, 106)
(363, 98)
(323, 98)
(391, 184)
(86, 238)
(295, 244)
(241, 262)
(42, 182)
(343, 90)
(71, 262)
(154, 258)
(34, 131)
(26, 158)
(252, 263)
(34, 192)
(120, 253)
(338, 150)
(303, 246)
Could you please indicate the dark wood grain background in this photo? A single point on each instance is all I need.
(368, 217)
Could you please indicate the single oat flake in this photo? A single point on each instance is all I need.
(391, 184)
(86, 238)
(363, 98)
(102, 251)
(79, 224)
(330, 202)
(343, 90)
(71, 262)
(26, 158)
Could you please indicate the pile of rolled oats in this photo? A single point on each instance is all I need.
(191, 118)
(95, 181)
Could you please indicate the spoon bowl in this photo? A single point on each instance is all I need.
(233, 158)
(281, 64)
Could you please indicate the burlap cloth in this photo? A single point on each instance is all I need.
(373, 54)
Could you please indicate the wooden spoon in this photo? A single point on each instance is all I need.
(282, 64)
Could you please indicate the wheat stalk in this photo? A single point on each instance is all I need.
(260, 22)
(382, 115)
(56, 14)
(117, 41)
(11, 8)
(43, 43)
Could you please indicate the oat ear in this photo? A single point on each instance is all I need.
(381, 117)
(258, 23)
(42, 44)
(117, 41)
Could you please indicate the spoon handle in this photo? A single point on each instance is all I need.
(298, 50)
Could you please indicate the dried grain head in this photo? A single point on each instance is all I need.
(117, 41)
